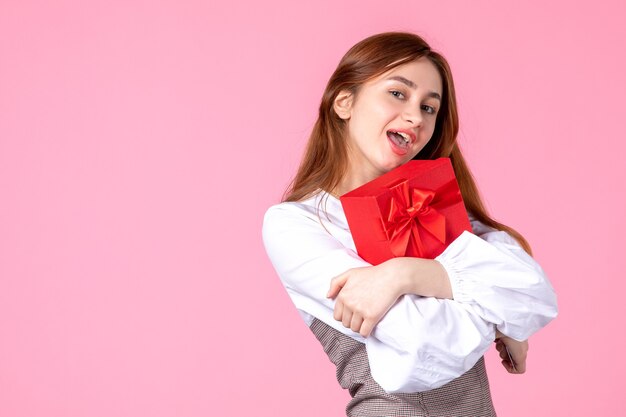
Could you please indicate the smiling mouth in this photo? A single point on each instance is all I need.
(400, 139)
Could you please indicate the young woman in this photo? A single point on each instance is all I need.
(407, 336)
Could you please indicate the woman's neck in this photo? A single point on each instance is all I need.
(354, 179)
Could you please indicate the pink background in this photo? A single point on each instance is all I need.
(142, 141)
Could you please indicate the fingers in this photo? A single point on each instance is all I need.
(356, 323)
(341, 312)
(336, 284)
(351, 292)
(351, 320)
(346, 319)
(338, 312)
(506, 359)
(517, 368)
(366, 328)
(501, 348)
(509, 368)
(514, 364)
(520, 367)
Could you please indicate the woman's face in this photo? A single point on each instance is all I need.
(390, 119)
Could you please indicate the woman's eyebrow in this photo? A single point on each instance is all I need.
(411, 84)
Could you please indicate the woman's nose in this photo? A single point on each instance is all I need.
(413, 116)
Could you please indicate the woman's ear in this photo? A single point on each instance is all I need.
(343, 104)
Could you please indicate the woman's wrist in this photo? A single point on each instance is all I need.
(424, 277)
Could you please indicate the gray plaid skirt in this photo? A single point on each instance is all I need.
(466, 396)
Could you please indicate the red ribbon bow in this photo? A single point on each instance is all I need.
(410, 214)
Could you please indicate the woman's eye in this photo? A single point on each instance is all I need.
(429, 109)
(397, 94)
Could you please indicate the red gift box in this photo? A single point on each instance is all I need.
(414, 210)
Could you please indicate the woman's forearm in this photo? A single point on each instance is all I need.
(424, 277)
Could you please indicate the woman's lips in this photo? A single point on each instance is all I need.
(397, 144)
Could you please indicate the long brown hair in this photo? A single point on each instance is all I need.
(325, 159)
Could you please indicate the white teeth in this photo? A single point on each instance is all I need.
(406, 137)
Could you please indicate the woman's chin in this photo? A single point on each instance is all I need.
(386, 167)
(390, 164)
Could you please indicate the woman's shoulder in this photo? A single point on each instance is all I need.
(320, 208)
(293, 208)
(288, 212)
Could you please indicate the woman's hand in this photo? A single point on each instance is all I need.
(364, 295)
(512, 353)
